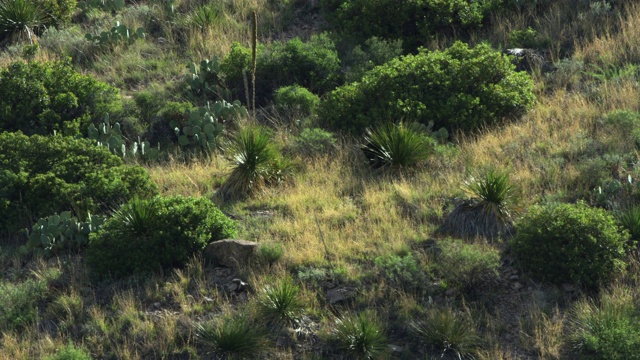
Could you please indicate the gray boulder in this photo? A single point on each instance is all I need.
(230, 253)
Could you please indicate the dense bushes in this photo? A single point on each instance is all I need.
(570, 243)
(459, 88)
(38, 98)
(59, 11)
(159, 233)
(413, 21)
(40, 176)
(314, 65)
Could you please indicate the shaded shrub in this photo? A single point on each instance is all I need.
(314, 141)
(570, 243)
(40, 176)
(459, 88)
(296, 98)
(375, 52)
(159, 233)
(313, 65)
(40, 98)
(59, 11)
(19, 303)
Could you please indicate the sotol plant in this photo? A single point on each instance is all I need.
(397, 146)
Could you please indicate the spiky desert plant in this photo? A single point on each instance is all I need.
(280, 303)
(489, 211)
(360, 336)
(630, 220)
(138, 218)
(20, 19)
(397, 146)
(448, 331)
(231, 337)
(256, 162)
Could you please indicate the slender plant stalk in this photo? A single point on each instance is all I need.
(254, 49)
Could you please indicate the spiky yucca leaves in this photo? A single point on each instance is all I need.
(256, 162)
(489, 212)
(361, 337)
(396, 146)
(136, 219)
(280, 303)
(20, 19)
(231, 337)
(630, 220)
(448, 332)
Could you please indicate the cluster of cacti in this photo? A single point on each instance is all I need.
(119, 34)
(105, 5)
(206, 123)
(56, 233)
(111, 136)
(205, 79)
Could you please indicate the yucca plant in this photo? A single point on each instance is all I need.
(137, 218)
(630, 220)
(448, 332)
(231, 337)
(256, 162)
(489, 211)
(21, 19)
(361, 337)
(280, 303)
(396, 145)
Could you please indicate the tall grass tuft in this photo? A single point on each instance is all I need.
(449, 332)
(231, 337)
(396, 146)
(361, 337)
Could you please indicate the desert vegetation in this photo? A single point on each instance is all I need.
(415, 180)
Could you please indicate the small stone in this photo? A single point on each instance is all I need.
(157, 305)
(395, 348)
(231, 287)
(340, 294)
(243, 296)
(517, 285)
(514, 277)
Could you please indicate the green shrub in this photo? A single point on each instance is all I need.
(360, 336)
(159, 233)
(397, 146)
(570, 243)
(402, 271)
(375, 52)
(608, 328)
(40, 98)
(59, 11)
(314, 141)
(40, 176)
(296, 98)
(459, 88)
(18, 303)
(630, 219)
(270, 254)
(70, 352)
(411, 21)
(313, 65)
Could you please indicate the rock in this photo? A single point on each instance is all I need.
(340, 294)
(157, 305)
(517, 285)
(232, 287)
(514, 277)
(230, 253)
(394, 348)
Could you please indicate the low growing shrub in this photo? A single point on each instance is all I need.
(40, 98)
(296, 98)
(159, 233)
(570, 243)
(458, 88)
(314, 141)
(40, 176)
(467, 266)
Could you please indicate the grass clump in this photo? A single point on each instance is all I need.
(270, 254)
(70, 352)
(489, 212)
(231, 337)
(448, 332)
(397, 146)
(19, 303)
(570, 242)
(359, 336)
(280, 303)
(467, 266)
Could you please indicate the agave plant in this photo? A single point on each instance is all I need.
(448, 332)
(489, 211)
(359, 336)
(280, 303)
(630, 220)
(232, 337)
(21, 19)
(396, 145)
(137, 218)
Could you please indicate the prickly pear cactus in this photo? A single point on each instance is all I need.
(63, 232)
(118, 35)
(205, 79)
(110, 136)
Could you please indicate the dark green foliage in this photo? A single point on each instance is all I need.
(40, 176)
(526, 38)
(256, 162)
(231, 337)
(21, 20)
(280, 303)
(489, 212)
(296, 98)
(361, 336)
(570, 243)
(59, 11)
(40, 98)
(313, 65)
(448, 331)
(413, 21)
(160, 233)
(314, 141)
(375, 52)
(459, 88)
(397, 146)
(56, 234)
(70, 352)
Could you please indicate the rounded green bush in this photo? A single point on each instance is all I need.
(160, 233)
(564, 243)
(40, 98)
(40, 176)
(459, 88)
(298, 98)
(59, 11)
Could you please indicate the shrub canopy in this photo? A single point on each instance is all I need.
(459, 88)
(40, 176)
